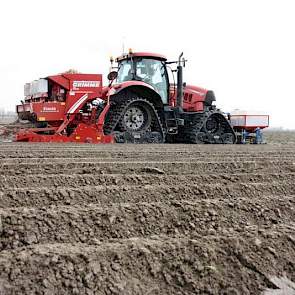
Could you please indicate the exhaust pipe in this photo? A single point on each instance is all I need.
(179, 99)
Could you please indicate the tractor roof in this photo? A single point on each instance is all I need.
(142, 54)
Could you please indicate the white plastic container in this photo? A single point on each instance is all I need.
(35, 87)
(27, 89)
(42, 86)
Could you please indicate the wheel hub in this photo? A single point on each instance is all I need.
(134, 118)
(212, 125)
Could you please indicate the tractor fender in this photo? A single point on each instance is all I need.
(142, 89)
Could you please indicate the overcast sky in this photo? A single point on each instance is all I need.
(244, 50)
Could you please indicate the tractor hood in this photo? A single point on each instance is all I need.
(196, 91)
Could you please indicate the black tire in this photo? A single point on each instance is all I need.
(133, 119)
(227, 138)
(218, 130)
(200, 138)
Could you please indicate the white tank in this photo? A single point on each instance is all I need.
(249, 119)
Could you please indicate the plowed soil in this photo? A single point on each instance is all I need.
(146, 219)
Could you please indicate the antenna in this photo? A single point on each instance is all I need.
(123, 44)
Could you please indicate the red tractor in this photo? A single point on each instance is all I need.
(140, 105)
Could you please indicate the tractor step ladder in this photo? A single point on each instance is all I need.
(173, 122)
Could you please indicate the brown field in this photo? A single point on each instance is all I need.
(147, 219)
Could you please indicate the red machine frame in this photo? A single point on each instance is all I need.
(63, 107)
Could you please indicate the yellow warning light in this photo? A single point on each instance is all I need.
(77, 137)
(130, 51)
(41, 119)
(98, 138)
(63, 103)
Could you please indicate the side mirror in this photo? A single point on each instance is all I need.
(112, 75)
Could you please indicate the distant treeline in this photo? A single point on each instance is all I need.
(278, 129)
(5, 114)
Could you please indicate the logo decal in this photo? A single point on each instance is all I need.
(49, 109)
(81, 84)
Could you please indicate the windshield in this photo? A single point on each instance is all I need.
(124, 72)
(147, 70)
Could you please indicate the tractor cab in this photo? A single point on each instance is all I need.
(145, 67)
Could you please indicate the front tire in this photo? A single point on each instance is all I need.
(133, 119)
